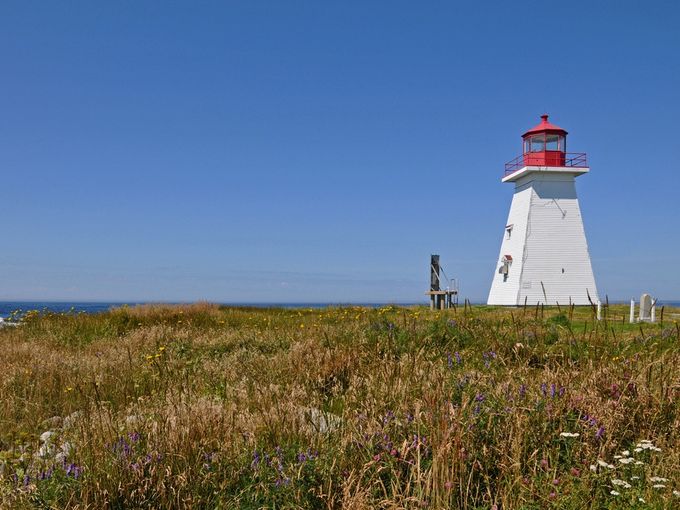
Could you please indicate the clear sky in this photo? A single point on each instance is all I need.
(318, 151)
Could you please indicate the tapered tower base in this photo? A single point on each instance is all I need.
(544, 254)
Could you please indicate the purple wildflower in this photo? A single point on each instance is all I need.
(459, 360)
(522, 390)
(599, 433)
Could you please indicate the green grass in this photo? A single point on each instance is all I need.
(211, 407)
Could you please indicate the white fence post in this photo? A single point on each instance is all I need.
(632, 311)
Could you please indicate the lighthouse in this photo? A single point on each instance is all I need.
(544, 254)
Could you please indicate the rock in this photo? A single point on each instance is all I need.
(46, 436)
(322, 421)
(53, 423)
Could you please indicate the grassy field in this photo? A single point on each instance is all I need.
(207, 407)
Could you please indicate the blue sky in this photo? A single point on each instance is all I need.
(308, 151)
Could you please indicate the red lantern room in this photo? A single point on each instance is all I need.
(545, 144)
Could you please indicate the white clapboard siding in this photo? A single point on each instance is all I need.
(550, 259)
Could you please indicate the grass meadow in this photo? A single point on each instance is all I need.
(202, 406)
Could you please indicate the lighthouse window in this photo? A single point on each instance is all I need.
(551, 143)
(537, 143)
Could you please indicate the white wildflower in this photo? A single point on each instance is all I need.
(569, 434)
(627, 460)
(655, 448)
(641, 500)
(617, 456)
(615, 493)
(659, 486)
(676, 494)
(634, 477)
(621, 483)
(658, 479)
(637, 450)
(639, 463)
(593, 468)
(625, 453)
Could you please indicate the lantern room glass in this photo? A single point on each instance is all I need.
(543, 142)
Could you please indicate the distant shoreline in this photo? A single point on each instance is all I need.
(7, 307)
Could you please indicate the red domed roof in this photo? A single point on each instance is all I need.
(545, 127)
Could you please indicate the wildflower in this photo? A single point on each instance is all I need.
(459, 360)
(658, 479)
(639, 463)
(615, 493)
(625, 453)
(621, 483)
(575, 472)
(522, 390)
(659, 486)
(599, 433)
(569, 434)
(641, 500)
(626, 460)
(676, 494)
(448, 486)
(593, 468)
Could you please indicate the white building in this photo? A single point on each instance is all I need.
(544, 254)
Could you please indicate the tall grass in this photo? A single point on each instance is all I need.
(207, 407)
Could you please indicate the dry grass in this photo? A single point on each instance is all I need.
(163, 406)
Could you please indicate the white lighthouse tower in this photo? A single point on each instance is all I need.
(544, 254)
